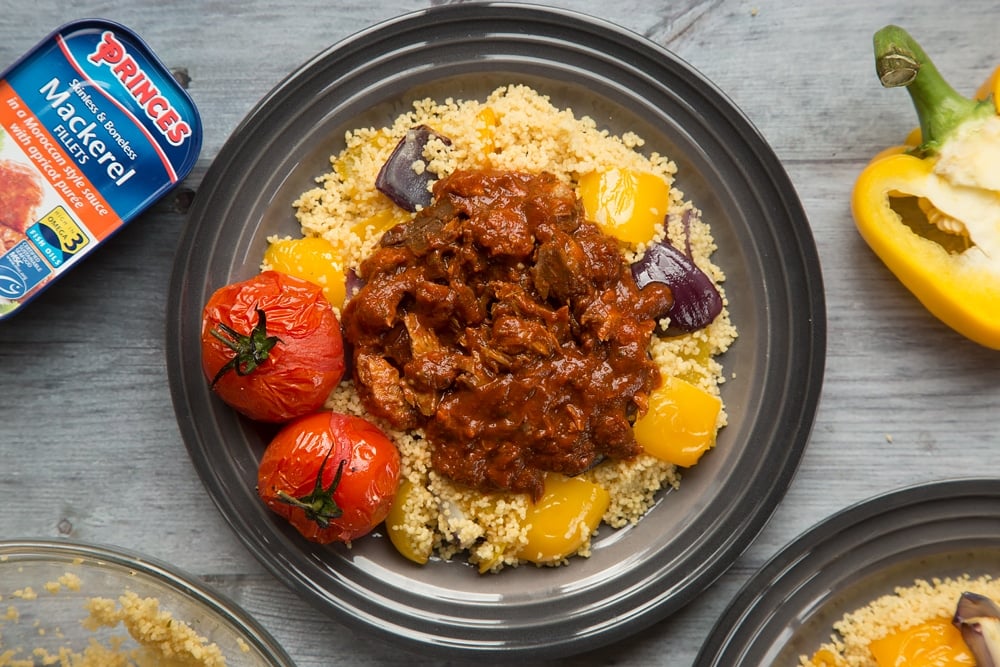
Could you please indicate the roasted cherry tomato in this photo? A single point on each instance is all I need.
(333, 476)
(271, 346)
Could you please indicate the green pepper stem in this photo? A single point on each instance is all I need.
(900, 61)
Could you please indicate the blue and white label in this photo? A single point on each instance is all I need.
(20, 270)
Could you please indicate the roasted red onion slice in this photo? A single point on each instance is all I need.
(978, 617)
(696, 300)
(353, 283)
(397, 179)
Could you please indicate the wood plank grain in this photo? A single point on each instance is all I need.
(89, 447)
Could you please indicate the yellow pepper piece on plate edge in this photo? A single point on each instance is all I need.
(930, 209)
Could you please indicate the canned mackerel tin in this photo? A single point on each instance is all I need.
(93, 130)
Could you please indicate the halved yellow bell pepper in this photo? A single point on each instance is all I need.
(945, 247)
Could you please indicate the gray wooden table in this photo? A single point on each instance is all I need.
(89, 447)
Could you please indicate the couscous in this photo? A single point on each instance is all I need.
(130, 631)
(513, 129)
(881, 625)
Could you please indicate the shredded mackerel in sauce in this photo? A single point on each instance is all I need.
(509, 329)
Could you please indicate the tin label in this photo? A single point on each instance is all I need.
(93, 129)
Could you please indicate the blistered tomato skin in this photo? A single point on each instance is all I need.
(302, 367)
(297, 476)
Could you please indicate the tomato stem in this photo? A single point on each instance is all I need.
(319, 505)
(250, 351)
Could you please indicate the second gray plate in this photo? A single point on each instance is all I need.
(788, 608)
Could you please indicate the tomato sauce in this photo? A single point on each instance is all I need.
(509, 329)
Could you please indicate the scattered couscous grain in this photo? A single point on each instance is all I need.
(171, 641)
(68, 580)
(154, 637)
(906, 607)
(514, 128)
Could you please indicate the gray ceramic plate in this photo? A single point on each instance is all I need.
(636, 575)
(787, 609)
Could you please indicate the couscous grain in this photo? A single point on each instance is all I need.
(514, 128)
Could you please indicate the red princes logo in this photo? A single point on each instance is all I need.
(127, 70)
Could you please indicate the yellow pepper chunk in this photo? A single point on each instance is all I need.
(311, 258)
(379, 223)
(627, 204)
(486, 123)
(827, 659)
(409, 545)
(680, 424)
(564, 518)
(936, 643)
(991, 87)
